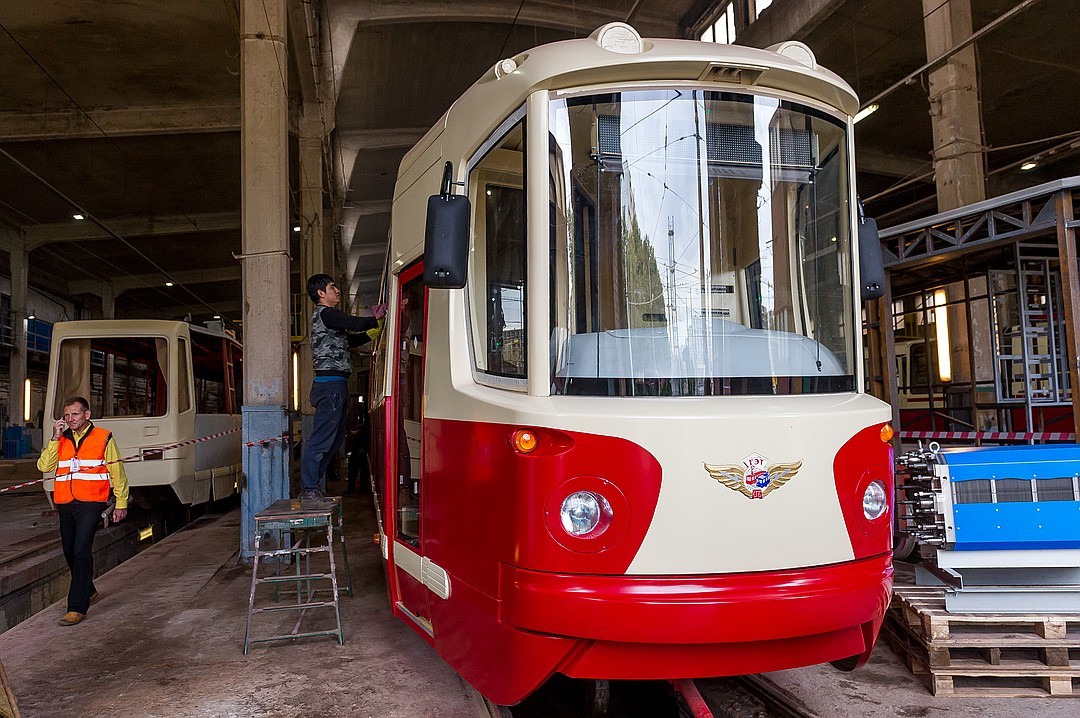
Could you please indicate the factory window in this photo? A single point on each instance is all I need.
(723, 29)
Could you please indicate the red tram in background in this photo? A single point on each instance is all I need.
(619, 425)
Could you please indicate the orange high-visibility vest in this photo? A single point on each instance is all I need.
(81, 473)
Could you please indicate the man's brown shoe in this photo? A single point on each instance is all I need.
(94, 597)
(71, 618)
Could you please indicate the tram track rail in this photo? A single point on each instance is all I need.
(777, 702)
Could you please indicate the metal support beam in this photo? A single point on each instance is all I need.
(265, 259)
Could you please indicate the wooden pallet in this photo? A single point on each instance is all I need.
(964, 654)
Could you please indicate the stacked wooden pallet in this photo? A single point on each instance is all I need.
(966, 654)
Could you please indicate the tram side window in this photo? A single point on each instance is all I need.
(497, 275)
(121, 376)
(216, 366)
(183, 393)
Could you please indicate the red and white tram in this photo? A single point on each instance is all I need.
(620, 426)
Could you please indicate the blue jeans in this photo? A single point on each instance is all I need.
(330, 399)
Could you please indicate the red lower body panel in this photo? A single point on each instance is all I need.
(642, 627)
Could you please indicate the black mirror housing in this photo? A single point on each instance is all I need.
(446, 241)
(871, 266)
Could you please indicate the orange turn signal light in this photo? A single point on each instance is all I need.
(886, 433)
(524, 441)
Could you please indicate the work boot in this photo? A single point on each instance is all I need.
(313, 499)
(71, 618)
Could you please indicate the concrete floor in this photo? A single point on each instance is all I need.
(166, 640)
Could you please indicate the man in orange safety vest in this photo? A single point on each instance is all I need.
(87, 465)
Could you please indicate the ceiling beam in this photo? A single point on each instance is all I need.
(580, 18)
(890, 165)
(382, 139)
(303, 43)
(230, 308)
(81, 231)
(118, 122)
(157, 280)
(369, 207)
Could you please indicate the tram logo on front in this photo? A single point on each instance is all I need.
(755, 478)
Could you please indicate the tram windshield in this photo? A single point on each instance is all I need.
(700, 246)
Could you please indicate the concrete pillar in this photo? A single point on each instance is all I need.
(264, 262)
(313, 254)
(108, 301)
(20, 265)
(959, 168)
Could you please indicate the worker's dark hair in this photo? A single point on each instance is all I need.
(77, 400)
(317, 283)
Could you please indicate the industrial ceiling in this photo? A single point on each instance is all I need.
(129, 115)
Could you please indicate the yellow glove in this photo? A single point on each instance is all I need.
(373, 334)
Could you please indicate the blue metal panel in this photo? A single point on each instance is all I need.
(1021, 525)
(1012, 462)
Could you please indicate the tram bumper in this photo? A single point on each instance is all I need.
(708, 625)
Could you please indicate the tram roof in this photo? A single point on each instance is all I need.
(583, 63)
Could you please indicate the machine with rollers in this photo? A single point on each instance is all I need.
(999, 526)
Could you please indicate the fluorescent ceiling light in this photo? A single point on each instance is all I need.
(78, 216)
(1029, 165)
(864, 113)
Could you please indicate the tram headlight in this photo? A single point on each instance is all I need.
(585, 513)
(874, 500)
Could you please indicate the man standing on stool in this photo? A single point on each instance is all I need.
(87, 465)
(333, 332)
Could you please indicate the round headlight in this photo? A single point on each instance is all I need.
(583, 511)
(874, 501)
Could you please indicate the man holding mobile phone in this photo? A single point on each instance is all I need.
(87, 465)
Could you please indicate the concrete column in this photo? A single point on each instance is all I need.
(312, 245)
(20, 265)
(108, 301)
(265, 261)
(959, 168)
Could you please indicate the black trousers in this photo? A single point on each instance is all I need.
(78, 522)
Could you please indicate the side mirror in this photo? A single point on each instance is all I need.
(871, 266)
(446, 239)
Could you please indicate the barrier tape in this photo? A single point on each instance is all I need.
(141, 456)
(990, 435)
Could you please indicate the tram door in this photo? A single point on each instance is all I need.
(407, 394)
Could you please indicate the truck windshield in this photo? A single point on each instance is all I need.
(700, 246)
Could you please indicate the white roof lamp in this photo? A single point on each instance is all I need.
(797, 51)
(619, 37)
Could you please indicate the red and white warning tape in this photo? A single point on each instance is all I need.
(142, 455)
(990, 435)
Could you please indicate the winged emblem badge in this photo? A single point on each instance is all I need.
(755, 478)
